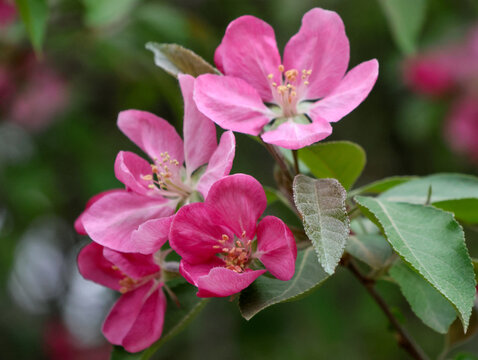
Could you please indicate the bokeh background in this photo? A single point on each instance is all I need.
(58, 142)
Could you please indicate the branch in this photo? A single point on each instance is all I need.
(403, 338)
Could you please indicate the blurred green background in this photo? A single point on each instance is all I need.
(58, 142)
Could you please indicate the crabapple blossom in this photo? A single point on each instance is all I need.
(221, 244)
(137, 219)
(289, 102)
(136, 319)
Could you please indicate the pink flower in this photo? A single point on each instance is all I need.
(461, 128)
(8, 13)
(136, 319)
(137, 219)
(305, 92)
(445, 67)
(217, 239)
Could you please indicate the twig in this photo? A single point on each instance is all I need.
(279, 159)
(403, 338)
(296, 162)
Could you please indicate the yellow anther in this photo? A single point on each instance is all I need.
(225, 237)
(274, 84)
(151, 186)
(114, 267)
(309, 72)
(293, 94)
(270, 76)
(154, 168)
(216, 247)
(281, 68)
(123, 290)
(291, 74)
(244, 233)
(147, 177)
(226, 250)
(281, 89)
(306, 82)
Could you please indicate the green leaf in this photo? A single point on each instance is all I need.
(432, 242)
(475, 266)
(118, 353)
(106, 12)
(176, 60)
(427, 303)
(34, 14)
(378, 187)
(451, 192)
(372, 249)
(341, 160)
(321, 202)
(176, 318)
(465, 356)
(405, 18)
(266, 291)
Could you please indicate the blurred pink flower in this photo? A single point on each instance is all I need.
(61, 345)
(306, 91)
(452, 69)
(8, 12)
(461, 128)
(137, 219)
(216, 239)
(136, 319)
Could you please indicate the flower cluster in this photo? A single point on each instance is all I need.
(184, 194)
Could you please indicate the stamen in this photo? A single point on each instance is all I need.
(281, 68)
(147, 177)
(270, 76)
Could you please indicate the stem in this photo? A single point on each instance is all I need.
(403, 338)
(279, 159)
(296, 162)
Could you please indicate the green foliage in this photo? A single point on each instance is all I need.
(175, 60)
(266, 291)
(378, 187)
(321, 202)
(372, 249)
(432, 242)
(341, 160)
(427, 303)
(457, 193)
(405, 18)
(34, 14)
(118, 353)
(106, 12)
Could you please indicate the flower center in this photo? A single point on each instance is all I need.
(235, 253)
(166, 177)
(127, 283)
(287, 89)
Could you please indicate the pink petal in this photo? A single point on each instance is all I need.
(249, 51)
(351, 91)
(130, 169)
(148, 326)
(136, 320)
(195, 231)
(133, 265)
(193, 272)
(151, 235)
(220, 163)
(222, 282)
(79, 228)
(231, 103)
(240, 200)
(291, 135)
(95, 267)
(321, 46)
(115, 217)
(276, 247)
(199, 131)
(151, 133)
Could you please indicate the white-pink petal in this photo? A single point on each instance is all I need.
(220, 163)
(351, 91)
(231, 103)
(199, 132)
(152, 134)
(249, 51)
(322, 46)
